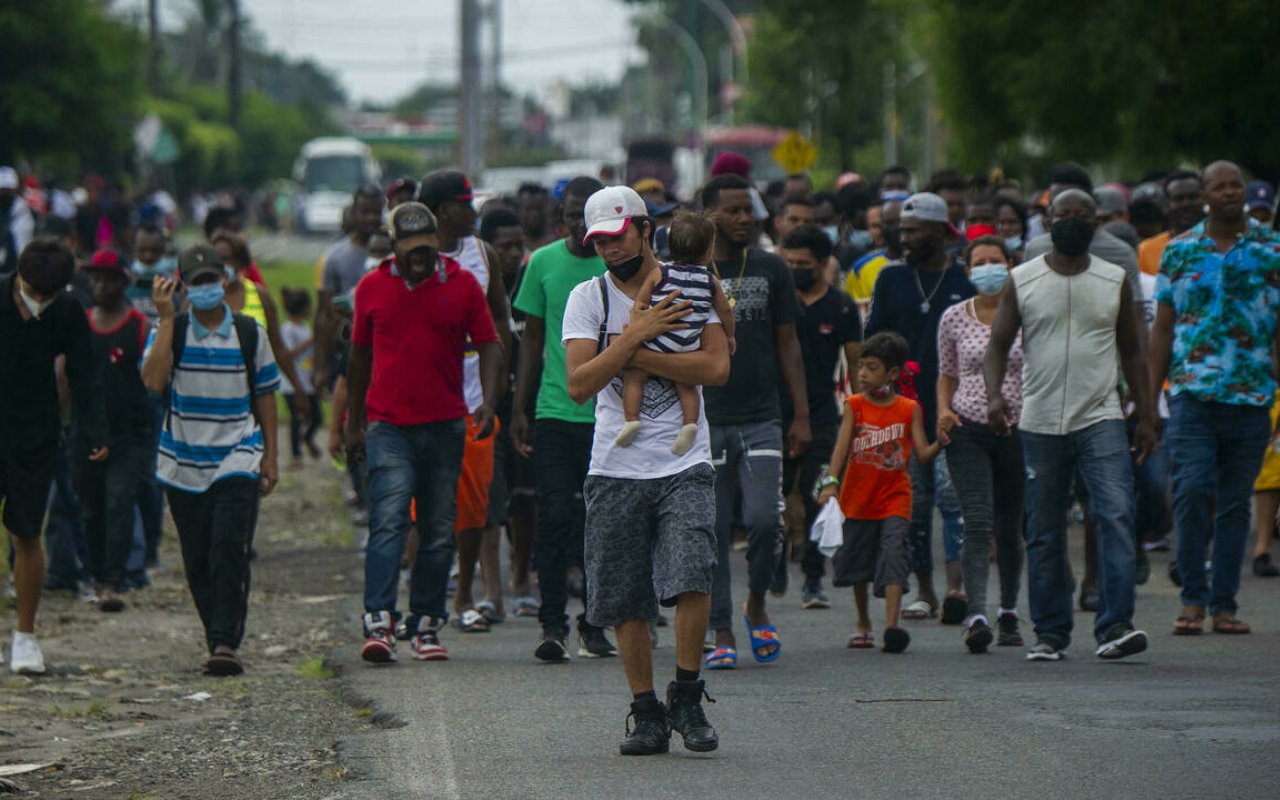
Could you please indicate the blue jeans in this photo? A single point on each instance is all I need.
(1099, 454)
(1217, 451)
(68, 550)
(1151, 479)
(421, 463)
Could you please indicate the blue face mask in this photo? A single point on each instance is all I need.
(860, 239)
(989, 278)
(1013, 243)
(206, 296)
(166, 266)
(832, 232)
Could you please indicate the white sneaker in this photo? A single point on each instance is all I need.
(25, 658)
(86, 593)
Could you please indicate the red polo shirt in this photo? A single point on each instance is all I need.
(418, 338)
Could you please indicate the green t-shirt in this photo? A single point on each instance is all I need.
(550, 276)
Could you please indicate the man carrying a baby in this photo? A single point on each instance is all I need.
(650, 513)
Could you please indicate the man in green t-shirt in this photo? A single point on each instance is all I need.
(562, 430)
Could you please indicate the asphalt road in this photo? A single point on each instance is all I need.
(1190, 718)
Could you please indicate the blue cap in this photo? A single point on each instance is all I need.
(1259, 194)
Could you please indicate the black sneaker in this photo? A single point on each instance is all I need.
(1045, 651)
(1122, 641)
(1263, 568)
(685, 714)
(1010, 636)
(978, 636)
(652, 732)
(592, 643)
(552, 647)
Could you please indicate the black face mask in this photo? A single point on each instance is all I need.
(1072, 236)
(804, 278)
(892, 237)
(627, 270)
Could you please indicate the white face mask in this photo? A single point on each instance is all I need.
(36, 307)
(371, 263)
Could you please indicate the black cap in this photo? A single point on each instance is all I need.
(198, 260)
(412, 226)
(442, 186)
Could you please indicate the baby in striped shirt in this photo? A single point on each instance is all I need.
(692, 242)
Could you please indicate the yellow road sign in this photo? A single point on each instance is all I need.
(795, 153)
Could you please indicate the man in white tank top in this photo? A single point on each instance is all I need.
(1078, 320)
(448, 194)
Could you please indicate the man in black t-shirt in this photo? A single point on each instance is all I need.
(909, 299)
(746, 420)
(829, 326)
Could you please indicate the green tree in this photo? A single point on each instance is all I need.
(819, 64)
(1129, 85)
(70, 83)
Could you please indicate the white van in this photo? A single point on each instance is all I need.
(329, 170)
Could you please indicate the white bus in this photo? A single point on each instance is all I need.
(329, 170)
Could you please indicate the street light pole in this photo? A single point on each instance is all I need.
(699, 61)
(737, 34)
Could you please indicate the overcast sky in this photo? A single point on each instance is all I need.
(382, 49)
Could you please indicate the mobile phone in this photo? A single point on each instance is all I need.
(143, 283)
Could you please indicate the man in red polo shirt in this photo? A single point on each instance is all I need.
(413, 316)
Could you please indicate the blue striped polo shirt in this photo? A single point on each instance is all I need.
(210, 432)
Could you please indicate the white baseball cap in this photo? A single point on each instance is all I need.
(928, 207)
(8, 178)
(609, 211)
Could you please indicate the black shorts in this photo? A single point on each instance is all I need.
(512, 493)
(25, 479)
(874, 550)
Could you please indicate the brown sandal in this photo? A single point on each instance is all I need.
(1190, 623)
(1226, 623)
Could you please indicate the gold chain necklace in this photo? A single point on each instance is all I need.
(733, 301)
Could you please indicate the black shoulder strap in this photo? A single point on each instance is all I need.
(247, 333)
(180, 323)
(603, 336)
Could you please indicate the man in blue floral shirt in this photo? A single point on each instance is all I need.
(1219, 294)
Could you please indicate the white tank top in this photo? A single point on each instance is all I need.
(1070, 369)
(471, 256)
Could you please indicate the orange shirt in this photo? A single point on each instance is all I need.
(1149, 252)
(876, 484)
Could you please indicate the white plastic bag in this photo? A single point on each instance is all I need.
(828, 528)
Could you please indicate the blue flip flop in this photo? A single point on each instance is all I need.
(763, 636)
(721, 658)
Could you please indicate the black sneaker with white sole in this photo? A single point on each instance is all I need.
(1123, 641)
(1046, 651)
(592, 643)
(552, 648)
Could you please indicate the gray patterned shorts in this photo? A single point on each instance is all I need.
(647, 541)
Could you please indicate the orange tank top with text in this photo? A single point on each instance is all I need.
(876, 484)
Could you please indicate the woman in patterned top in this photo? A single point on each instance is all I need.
(691, 240)
(979, 459)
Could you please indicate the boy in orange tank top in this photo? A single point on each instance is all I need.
(879, 431)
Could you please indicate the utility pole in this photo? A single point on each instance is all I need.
(470, 128)
(153, 37)
(495, 81)
(233, 68)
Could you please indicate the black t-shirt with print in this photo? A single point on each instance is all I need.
(823, 330)
(764, 297)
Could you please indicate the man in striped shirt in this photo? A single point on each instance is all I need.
(218, 447)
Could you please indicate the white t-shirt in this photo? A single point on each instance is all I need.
(1148, 307)
(649, 454)
(294, 334)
